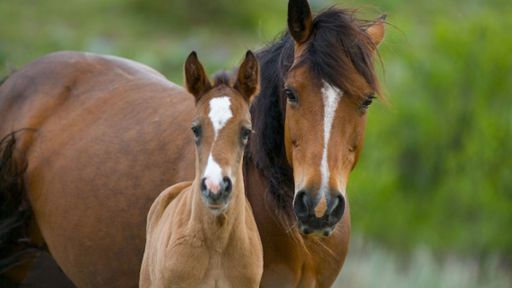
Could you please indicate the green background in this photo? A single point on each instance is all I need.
(431, 198)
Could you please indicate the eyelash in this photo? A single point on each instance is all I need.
(368, 101)
(197, 133)
(245, 133)
(291, 96)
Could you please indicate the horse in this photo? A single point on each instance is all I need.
(108, 134)
(202, 233)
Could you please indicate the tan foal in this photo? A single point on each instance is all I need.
(203, 233)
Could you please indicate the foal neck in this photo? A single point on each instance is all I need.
(217, 229)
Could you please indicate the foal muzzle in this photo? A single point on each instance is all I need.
(216, 195)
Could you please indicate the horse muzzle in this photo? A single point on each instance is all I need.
(309, 221)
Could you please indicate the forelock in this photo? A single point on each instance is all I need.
(338, 47)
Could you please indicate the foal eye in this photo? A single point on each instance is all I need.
(368, 101)
(244, 134)
(290, 95)
(197, 133)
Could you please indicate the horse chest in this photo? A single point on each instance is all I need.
(216, 274)
(316, 264)
(197, 267)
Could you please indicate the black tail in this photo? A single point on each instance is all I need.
(15, 211)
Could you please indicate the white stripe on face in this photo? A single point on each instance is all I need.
(212, 175)
(331, 96)
(220, 113)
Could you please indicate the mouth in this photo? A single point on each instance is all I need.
(216, 206)
(311, 225)
(320, 232)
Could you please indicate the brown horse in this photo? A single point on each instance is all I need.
(111, 134)
(203, 233)
(309, 119)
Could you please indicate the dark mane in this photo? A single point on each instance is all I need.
(334, 30)
(221, 78)
(338, 30)
(266, 149)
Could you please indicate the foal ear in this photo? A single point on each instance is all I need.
(248, 76)
(376, 31)
(196, 80)
(300, 21)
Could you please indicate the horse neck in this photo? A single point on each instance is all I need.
(269, 181)
(266, 151)
(218, 229)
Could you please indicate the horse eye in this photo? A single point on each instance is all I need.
(368, 101)
(244, 134)
(197, 133)
(290, 95)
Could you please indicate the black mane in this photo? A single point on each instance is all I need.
(266, 149)
(221, 78)
(337, 30)
(333, 30)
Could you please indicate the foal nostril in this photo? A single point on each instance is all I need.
(337, 208)
(203, 185)
(226, 184)
(301, 204)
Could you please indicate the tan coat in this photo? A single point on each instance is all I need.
(188, 246)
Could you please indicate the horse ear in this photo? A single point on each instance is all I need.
(247, 81)
(300, 21)
(196, 80)
(376, 31)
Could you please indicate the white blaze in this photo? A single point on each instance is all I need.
(220, 113)
(212, 174)
(331, 96)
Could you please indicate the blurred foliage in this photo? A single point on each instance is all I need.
(370, 265)
(179, 16)
(436, 169)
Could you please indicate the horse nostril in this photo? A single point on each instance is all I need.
(337, 208)
(227, 184)
(306, 231)
(301, 204)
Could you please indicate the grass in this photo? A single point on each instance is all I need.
(370, 265)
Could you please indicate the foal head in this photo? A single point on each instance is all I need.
(221, 127)
(328, 88)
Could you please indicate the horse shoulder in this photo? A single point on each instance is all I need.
(150, 274)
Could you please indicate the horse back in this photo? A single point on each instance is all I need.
(107, 135)
(63, 79)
